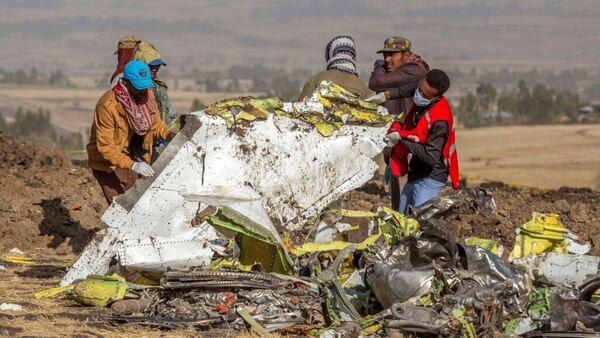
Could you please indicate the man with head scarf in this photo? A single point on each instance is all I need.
(340, 55)
(126, 124)
(126, 48)
(149, 54)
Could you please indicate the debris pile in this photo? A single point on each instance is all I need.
(200, 245)
(408, 275)
(207, 298)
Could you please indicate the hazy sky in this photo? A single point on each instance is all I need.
(80, 36)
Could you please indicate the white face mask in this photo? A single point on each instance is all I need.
(419, 100)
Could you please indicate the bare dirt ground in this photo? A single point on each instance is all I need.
(60, 317)
(539, 156)
(50, 209)
(45, 201)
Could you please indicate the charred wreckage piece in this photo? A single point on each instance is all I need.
(202, 298)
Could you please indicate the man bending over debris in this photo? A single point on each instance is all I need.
(399, 67)
(340, 56)
(434, 157)
(126, 123)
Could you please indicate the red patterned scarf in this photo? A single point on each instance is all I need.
(140, 113)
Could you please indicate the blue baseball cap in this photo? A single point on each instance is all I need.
(138, 73)
(157, 62)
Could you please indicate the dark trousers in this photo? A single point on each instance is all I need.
(395, 192)
(115, 183)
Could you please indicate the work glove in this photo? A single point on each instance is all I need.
(392, 139)
(378, 98)
(143, 169)
(379, 63)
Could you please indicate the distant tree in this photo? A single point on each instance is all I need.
(542, 105)
(259, 84)
(524, 103)
(486, 96)
(3, 124)
(468, 111)
(33, 75)
(507, 102)
(285, 88)
(567, 103)
(233, 86)
(36, 126)
(593, 91)
(212, 85)
(17, 123)
(20, 77)
(197, 105)
(71, 141)
(58, 78)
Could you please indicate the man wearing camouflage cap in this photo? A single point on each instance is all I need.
(399, 67)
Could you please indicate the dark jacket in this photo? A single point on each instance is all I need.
(346, 80)
(427, 158)
(410, 73)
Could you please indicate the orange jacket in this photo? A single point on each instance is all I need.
(110, 135)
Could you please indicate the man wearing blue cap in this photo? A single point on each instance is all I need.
(126, 123)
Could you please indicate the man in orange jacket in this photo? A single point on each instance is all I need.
(126, 123)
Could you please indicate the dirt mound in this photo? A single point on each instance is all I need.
(579, 210)
(45, 201)
(16, 154)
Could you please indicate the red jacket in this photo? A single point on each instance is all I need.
(439, 111)
(399, 164)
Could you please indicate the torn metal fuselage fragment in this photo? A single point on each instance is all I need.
(274, 171)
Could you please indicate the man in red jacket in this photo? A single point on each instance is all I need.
(435, 158)
(399, 67)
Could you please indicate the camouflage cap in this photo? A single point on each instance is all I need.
(127, 42)
(149, 54)
(395, 44)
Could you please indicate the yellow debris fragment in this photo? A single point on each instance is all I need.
(543, 233)
(53, 291)
(18, 259)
